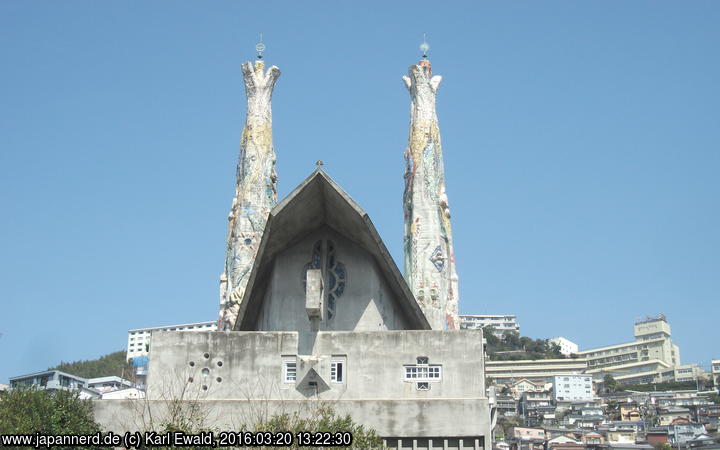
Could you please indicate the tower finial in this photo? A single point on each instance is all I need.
(260, 47)
(424, 47)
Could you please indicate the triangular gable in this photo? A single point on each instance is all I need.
(306, 209)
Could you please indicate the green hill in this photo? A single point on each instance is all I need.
(511, 346)
(105, 366)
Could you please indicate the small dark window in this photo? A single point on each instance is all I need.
(422, 359)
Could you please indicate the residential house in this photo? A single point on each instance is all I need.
(593, 439)
(522, 438)
(621, 436)
(525, 385)
(565, 442)
(681, 433)
(665, 416)
(630, 411)
(657, 435)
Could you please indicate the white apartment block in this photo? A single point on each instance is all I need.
(500, 322)
(539, 370)
(572, 388)
(139, 338)
(715, 368)
(567, 347)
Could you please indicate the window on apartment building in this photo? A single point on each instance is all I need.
(423, 386)
(289, 371)
(423, 373)
(337, 371)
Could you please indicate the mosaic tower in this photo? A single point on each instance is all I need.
(255, 192)
(429, 258)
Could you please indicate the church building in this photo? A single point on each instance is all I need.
(314, 309)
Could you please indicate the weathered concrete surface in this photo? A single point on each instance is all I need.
(319, 205)
(255, 192)
(237, 377)
(390, 418)
(365, 303)
(429, 256)
(250, 364)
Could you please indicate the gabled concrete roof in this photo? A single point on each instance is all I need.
(319, 201)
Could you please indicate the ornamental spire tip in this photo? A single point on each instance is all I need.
(260, 48)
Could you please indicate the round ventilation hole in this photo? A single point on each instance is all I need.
(192, 363)
(206, 355)
(218, 379)
(204, 388)
(219, 363)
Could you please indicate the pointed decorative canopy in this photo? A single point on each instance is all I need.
(307, 209)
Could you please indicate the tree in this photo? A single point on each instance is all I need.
(610, 383)
(105, 366)
(324, 419)
(28, 411)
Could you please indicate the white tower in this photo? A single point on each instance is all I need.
(255, 193)
(429, 258)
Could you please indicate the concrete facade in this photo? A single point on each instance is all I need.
(429, 256)
(235, 375)
(375, 365)
(139, 338)
(366, 303)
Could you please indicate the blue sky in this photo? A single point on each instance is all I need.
(580, 140)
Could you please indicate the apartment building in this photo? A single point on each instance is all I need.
(715, 368)
(649, 358)
(139, 338)
(539, 370)
(567, 347)
(501, 323)
(572, 388)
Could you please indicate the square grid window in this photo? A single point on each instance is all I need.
(289, 371)
(423, 373)
(337, 371)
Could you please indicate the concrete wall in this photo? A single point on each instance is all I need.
(243, 373)
(389, 418)
(366, 303)
(250, 364)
